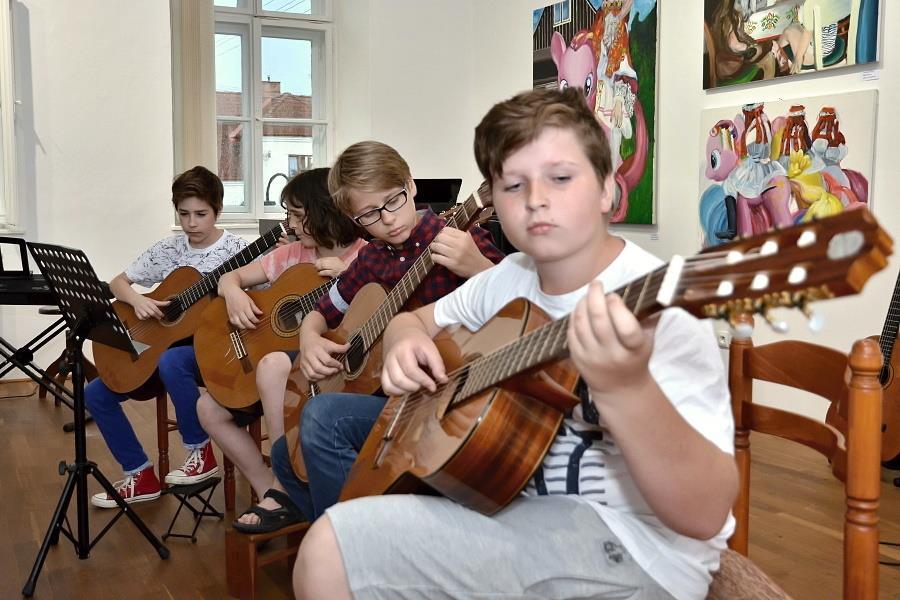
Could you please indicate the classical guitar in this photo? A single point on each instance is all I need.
(890, 409)
(228, 355)
(479, 438)
(188, 293)
(363, 323)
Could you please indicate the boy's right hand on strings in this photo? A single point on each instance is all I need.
(242, 311)
(402, 372)
(148, 308)
(316, 360)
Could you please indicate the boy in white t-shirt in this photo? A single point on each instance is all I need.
(197, 195)
(633, 498)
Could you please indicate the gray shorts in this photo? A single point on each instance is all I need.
(431, 548)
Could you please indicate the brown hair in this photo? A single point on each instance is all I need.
(368, 166)
(201, 183)
(327, 225)
(516, 122)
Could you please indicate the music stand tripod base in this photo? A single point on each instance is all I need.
(89, 315)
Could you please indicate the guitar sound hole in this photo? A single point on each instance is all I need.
(173, 311)
(355, 355)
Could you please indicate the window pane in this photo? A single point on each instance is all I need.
(229, 75)
(227, 3)
(295, 7)
(232, 156)
(289, 149)
(287, 84)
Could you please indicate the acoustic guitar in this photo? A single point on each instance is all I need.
(228, 355)
(890, 403)
(363, 323)
(188, 293)
(480, 437)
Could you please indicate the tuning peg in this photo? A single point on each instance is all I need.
(777, 326)
(816, 320)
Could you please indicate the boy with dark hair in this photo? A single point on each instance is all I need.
(197, 196)
(371, 183)
(633, 497)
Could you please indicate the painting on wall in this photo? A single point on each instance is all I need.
(608, 49)
(753, 40)
(771, 165)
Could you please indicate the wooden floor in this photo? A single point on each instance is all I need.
(795, 527)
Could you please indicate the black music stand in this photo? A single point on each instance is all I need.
(89, 315)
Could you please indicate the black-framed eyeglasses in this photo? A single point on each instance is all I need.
(394, 203)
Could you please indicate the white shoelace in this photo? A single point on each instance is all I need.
(124, 486)
(194, 459)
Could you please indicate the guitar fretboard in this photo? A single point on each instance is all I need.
(549, 342)
(374, 327)
(305, 303)
(891, 326)
(208, 283)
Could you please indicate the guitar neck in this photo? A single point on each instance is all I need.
(891, 325)
(549, 342)
(464, 216)
(208, 283)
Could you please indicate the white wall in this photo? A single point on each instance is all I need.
(94, 132)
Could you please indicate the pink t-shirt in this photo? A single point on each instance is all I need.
(277, 262)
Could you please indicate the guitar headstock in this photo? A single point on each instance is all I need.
(790, 267)
(476, 209)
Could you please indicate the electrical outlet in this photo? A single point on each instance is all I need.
(723, 337)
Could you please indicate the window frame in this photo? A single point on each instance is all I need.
(9, 201)
(256, 22)
(561, 21)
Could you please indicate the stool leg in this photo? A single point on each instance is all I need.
(229, 484)
(240, 565)
(162, 436)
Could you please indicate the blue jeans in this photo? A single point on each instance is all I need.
(333, 429)
(180, 375)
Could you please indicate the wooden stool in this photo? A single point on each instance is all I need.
(243, 558)
(256, 432)
(163, 426)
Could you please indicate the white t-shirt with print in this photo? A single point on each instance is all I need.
(175, 251)
(687, 366)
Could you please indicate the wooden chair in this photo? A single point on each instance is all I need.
(854, 455)
(243, 557)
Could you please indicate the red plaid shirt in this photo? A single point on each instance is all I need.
(379, 262)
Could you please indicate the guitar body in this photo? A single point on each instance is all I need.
(890, 411)
(228, 355)
(363, 376)
(483, 451)
(122, 371)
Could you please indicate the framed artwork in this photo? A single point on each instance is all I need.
(608, 49)
(771, 165)
(753, 40)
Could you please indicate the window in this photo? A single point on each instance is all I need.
(273, 93)
(8, 197)
(562, 12)
(297, 163)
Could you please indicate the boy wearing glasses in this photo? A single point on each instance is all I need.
(372, 184)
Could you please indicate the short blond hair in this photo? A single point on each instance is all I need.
(367, 166)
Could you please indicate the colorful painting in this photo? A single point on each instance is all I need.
(608, 49)
(770, 165)
(753, 40)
